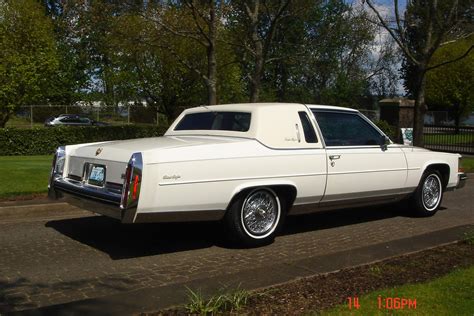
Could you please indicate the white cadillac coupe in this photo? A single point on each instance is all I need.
(251, 165)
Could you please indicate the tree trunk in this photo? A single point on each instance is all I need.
(283, 76)
(420, 108)
(211, 81)
(4, 117)
(256, 78)
(457, 117)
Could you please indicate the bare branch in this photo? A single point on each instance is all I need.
(457, 39)
(274, 23)
(196, 16)
(228, 64)
(191, 5)
(177, 56)
(168, 29)
(444, 29)
(401, 44)
(466, 53)
(400, 29)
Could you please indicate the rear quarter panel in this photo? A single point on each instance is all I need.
(207, 177)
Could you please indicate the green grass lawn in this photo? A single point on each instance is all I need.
(440, 139)
(24, 175)
(20, 122)
(468, 164)
(449, 295)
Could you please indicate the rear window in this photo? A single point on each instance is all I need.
(221, 121)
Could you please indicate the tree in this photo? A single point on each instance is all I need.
(28, 54)
(145, 70)
(450, 87)
(202, 20)
(322, 54)
(166, 69)
(427, 25)
(254, 24)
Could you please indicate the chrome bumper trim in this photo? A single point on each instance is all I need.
(462, 177)
(94, 199)
(87, 191)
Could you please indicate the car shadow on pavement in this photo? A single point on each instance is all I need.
(122, 241)
(344, 217)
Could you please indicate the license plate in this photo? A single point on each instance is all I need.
(96, 175)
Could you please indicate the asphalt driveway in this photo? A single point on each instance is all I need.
(72, 259)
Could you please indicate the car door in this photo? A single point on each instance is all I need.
(359, 168)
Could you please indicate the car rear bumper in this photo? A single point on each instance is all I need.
(462, 178)
(94, 199)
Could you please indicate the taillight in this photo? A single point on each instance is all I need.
(126, 185)
(132, 182)
(135, 185)
(57, 167)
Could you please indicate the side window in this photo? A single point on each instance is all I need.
(346, 129)
(309, 133)
(67, 119)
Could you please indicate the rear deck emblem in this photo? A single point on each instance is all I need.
(98, 151)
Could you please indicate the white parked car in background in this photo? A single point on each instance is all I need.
(251, 165)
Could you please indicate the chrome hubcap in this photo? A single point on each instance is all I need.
(431, 192)
(260, 213)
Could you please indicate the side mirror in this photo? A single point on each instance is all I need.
(384, 141)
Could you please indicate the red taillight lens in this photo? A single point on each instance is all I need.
(135, 186)
(132, 182)
(126, 185)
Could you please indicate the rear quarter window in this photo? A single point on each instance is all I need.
(222, 121)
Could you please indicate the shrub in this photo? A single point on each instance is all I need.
(43, 141)
(389, 130)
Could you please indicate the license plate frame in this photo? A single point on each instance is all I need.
(96, 174)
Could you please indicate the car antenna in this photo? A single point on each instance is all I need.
(205, 106)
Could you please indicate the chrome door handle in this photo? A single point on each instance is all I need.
(334, 157)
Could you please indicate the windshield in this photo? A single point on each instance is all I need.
(223, 121)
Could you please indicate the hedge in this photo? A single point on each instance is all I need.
(43, 141)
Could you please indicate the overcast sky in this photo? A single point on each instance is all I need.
(386, 10)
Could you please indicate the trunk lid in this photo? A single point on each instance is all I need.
(121, 150)
(116, 154)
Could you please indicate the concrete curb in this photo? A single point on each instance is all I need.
(153, 299)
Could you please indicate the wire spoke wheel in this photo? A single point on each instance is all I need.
(431, 192)
(260, 213)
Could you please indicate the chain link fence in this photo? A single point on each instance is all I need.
(37, 115)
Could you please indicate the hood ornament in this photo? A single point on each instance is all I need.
(98, 151)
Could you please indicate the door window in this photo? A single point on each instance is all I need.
(346, 129)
